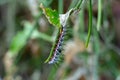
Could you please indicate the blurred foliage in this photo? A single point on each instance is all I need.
(27, 37)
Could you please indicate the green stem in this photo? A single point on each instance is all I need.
(99, 14)
(53, 47)
(73, 4)
(96, 47)
(79, 4)
(81, 21)
(60, 6)
(41, 35)
(90, 22)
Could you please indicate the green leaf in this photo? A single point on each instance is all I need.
(18, 42)
(20, 38)
(52, 16)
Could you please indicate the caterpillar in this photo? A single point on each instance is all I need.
(56, 51)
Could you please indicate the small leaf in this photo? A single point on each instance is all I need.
(52, 16)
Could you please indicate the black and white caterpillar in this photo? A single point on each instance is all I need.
(56, 51)
(58, 46)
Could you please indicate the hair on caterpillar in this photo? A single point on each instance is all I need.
(57, 53)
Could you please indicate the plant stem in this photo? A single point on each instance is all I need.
(78, 5)
(73, 4)
(60, 6)
(96, 47)
(90, 22)
(99, 14)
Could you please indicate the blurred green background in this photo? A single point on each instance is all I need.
(26, 38)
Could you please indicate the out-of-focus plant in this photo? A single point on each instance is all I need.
(22, 37)
(98, 61)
